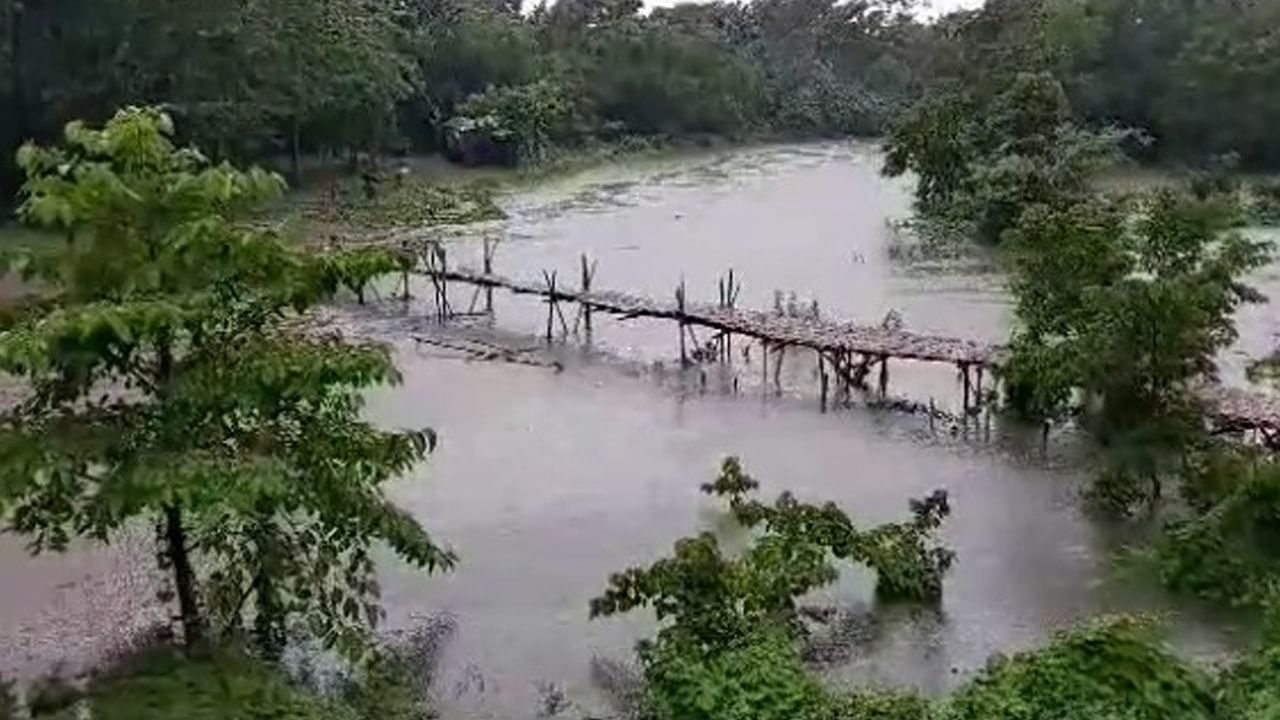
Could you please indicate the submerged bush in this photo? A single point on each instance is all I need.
(1251, 690)
(729, 646)
(1111, 670)
(1228, 552)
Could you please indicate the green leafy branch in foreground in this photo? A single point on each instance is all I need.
(165, 385)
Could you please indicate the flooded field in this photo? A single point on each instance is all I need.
(545, 482)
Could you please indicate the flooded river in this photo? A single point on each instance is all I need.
(545, 482)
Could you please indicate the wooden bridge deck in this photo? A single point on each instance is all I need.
(778, 330)
(1232, 410)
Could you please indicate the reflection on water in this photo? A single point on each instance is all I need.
(545, 482)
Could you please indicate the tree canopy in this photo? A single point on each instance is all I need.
(280, 77)
(167, 386)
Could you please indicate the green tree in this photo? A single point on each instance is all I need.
(463, 55)
(1219, 96)
(531, 118)
(168, 383)
(654, 80)
(1121, 319)
(1110, 669)
(981, 161)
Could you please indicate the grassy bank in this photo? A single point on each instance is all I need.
(162, 683)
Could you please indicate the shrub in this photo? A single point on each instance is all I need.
(1110, 670)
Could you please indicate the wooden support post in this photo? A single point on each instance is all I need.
(446, 311)
(731, 297)
(764, 365)
(684, 353)
(429, 255)
(964, 370)
(777, 368)
(981, 369)
(588, 274)
(822, 379)
(564, 324)
(884, 376)
(550, 279)
(490, 248)
(722, 300)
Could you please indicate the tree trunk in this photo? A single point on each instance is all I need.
(184, 577)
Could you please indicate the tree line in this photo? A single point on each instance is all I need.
(1197, 76)
(341, 78)
(287, 77)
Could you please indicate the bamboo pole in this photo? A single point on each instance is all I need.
(444, 282)
(764, 365)
(550, 278)
(884, 376)
(822, 379)
(490, 249)
(734, 289)
(723, 303)
(684, 354)
(777, 368)
(588, 274)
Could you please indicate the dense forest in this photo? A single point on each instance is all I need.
(167, 382)
(254, 80)
(278, 78)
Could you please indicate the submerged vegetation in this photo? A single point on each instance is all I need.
(732, 632)
(352, 211)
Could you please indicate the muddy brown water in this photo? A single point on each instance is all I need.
(545, 482)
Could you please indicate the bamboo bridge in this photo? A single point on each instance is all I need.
(848, 353)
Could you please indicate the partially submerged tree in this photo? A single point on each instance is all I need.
(1120, 321)
(981, 160)
(167, 386)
